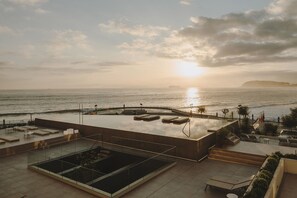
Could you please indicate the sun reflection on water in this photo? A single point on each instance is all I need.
(192, 97)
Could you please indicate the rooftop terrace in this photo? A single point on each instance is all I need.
(185, 179)
(198, 126)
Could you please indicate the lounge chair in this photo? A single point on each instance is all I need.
(40, 133)
(181, 120)
(140, 117)
(30, 127)
(293, 142)
(284, 142)
(169, 119)
(228, 184)
(8, 138)
(151, 118)
(253, 138)
(52, 131)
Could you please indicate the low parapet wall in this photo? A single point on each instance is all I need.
(39, 144)
(185, 148)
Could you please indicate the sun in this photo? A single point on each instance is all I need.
(188, 69)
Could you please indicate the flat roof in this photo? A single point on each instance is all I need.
(198, 126)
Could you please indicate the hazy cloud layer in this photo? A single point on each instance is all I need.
(6, 30)
(68, 43)
(185, 2)
(124, 27)
(257, 36)
(264, 36)
(27, 2)
(62, 69)
(41, 11)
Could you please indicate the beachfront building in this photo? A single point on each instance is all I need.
(127, 156)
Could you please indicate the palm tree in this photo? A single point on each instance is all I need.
(225, 111)
(201, 109)
(243, 111)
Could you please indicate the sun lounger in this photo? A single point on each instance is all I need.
(151, 118)
(140, 117)
(41, 133)
(8, 138)
(28, 134)
(181, 120)
(284, 142)
(30, 127)
(22, 129)
(168, 119)
(293, 142)
(229, 184)
(52, 131)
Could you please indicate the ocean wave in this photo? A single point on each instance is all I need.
(41, 112)
(272, 105)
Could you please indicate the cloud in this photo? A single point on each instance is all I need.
(103, 64)
(28, 2)
(68, 43)
(6, 30)
(41, 11)
(124, 27)
(58, 68)
(185, 2)
(257, 36)
(112, 63)
(4, 65)
(264, 36)
(283, 8)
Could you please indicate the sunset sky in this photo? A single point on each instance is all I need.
(146, 43)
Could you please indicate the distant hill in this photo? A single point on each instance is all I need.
(257, 83)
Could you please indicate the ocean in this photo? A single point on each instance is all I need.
(274, 102)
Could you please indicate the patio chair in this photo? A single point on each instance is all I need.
(228, 184)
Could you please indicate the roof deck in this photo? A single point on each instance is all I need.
(197, 127)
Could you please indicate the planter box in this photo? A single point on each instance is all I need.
(285, 166)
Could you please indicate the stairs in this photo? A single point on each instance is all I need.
(232, 139)
(235, 157)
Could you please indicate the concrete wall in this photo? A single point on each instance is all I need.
(185, 148)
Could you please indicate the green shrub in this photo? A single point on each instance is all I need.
(266, 172)
(274, 156)
(262, 175)
(279, 154)
(290, 156)
(270, 128)
(271, 164)
(260, 186)
(255, 193)
(260, 183)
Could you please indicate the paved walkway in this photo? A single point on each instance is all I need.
(259, 148)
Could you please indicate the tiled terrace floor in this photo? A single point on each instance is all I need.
(288, 186)
(186, 179)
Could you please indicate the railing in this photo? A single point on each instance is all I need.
(107, 169)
